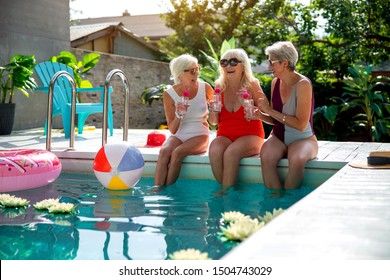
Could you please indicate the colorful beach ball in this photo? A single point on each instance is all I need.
(118, 166)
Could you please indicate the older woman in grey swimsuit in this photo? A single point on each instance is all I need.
(190, 133)
(291, 114)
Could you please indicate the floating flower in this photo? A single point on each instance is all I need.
(217, 90)
(61, 208)
(242, 229)
(7, 200)
(189, 254)
(233, 216)
(45, 204)
(269, 216)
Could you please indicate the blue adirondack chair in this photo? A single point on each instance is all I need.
(62, 97)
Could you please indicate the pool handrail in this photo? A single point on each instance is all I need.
(105, 104)
(50, 108)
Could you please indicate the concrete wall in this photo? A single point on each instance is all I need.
(40, 28)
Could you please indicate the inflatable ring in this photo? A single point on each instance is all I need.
(22, 169)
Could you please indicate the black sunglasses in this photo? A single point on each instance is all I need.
(231, 62)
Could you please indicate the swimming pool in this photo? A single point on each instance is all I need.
(138, 224)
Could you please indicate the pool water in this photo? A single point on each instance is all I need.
(138, 224)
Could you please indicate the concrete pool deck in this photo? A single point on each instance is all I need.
(347, 217)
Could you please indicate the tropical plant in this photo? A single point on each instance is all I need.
(210, 73)
(153, 93)
(372, 104)
(324, 119)
(17, 74)
(80, 68)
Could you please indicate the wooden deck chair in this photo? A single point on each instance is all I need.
(62, 97)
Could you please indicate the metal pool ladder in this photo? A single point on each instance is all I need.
(50, 108)
(125, 82)
(73, 106)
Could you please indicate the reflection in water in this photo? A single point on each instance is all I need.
(130, 224)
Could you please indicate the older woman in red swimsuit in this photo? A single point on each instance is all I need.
(237, 136)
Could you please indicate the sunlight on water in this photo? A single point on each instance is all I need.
(140, 223)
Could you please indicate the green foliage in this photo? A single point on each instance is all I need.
(153, 93)
(208, 73)
(324, 120)
(197, 19)
(326, 32)
(17, 74)
(79, 67)
(373, 105)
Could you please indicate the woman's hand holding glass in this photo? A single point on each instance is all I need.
(181, 109)
(216, 103)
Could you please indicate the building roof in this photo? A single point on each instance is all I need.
(151, 26)
(81, 34)
(79, 31)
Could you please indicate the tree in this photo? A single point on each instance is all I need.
(193, 21)
(352, 30)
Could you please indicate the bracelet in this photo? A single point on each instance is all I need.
(178, 116)
(284, 119)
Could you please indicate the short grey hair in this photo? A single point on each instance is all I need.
(179, 64)
(284, 50)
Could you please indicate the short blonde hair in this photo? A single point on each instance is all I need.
(284, 50)
(242, 56)
(179, 64)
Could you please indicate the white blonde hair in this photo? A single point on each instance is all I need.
(242, 56)
(179, 64)
(284, 50)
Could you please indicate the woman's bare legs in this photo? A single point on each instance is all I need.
(216, 151)
(271, 153)
(299, 153)
(225, 157)
(171, 155)
(164, 157)
(244, 146)
(193, 146)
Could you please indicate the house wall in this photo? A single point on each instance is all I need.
(40, 28)
(123, 45)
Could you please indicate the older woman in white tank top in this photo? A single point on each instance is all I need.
(190, 133)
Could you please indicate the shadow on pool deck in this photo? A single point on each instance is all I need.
(346, 217)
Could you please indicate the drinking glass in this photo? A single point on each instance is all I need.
(181, 109)
(249, 106)
(216, 103)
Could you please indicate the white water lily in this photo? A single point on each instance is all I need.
(233, 216)
(189, 254)
(269, 216)
(45, 204)
(242, 229)
(61, 208)
(7, 200)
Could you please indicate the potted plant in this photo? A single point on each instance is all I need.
(16, 75)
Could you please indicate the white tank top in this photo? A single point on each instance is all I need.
(192, 123)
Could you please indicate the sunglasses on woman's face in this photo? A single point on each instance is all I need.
(231, 62)
(192, 71)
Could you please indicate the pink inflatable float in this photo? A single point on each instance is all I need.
(22, 169)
